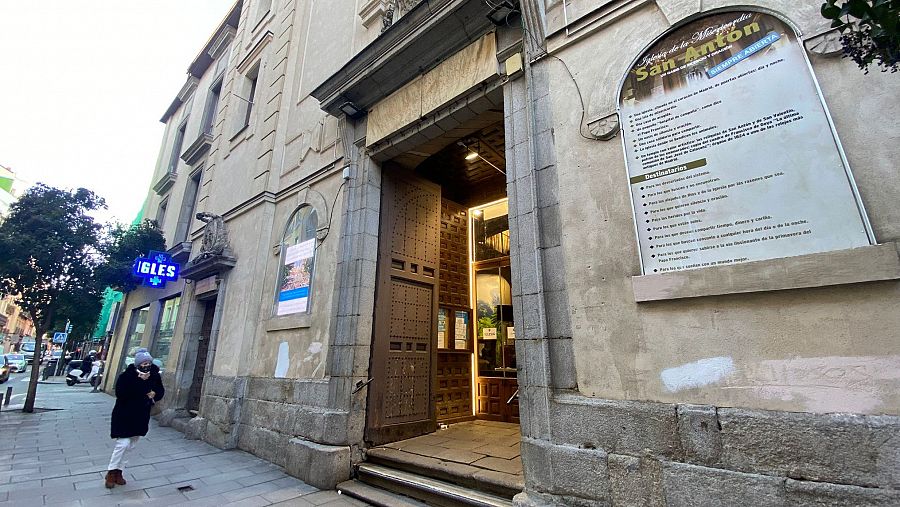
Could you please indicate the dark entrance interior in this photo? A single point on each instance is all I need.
(443, 346)
(209, 312)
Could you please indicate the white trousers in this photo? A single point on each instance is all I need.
(123, 445)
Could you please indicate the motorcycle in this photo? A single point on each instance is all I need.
(94, 377)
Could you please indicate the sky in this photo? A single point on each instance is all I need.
(84, 84)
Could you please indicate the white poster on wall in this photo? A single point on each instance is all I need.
(731, 156)
(293, 295)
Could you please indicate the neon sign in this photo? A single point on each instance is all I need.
(156, 269)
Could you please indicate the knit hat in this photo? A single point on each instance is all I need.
(142, 356)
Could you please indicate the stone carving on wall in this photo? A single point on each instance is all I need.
(215, 237)
(604, 128)
(825, 44)
(395, 9)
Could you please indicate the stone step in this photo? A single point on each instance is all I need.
(376, 496)
(429, 490)
(181, 424)
(467, 476)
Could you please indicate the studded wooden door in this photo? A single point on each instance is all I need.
(453, 386)
(403, 355)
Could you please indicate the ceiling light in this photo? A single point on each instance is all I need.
(501, 12)
(350, 109)
(472, 155)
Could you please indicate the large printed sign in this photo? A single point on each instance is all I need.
(293, 295)
(156, 269)
(731, 156)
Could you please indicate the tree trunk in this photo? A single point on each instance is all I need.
(36, 361)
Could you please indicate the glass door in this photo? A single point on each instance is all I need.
(495, 334)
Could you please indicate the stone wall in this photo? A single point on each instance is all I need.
(596, 428)
(603, 452)
(279, 420)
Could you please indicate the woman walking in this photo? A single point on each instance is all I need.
(138, 388)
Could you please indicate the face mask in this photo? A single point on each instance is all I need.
(144, 369)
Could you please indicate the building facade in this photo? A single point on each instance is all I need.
(16, 326)
(628, 226)
(14, 323)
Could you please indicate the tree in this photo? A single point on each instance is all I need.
(870, 31)
(50, 250)
(126, 243)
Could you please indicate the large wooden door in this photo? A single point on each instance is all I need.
(400, 401)
(453, 388)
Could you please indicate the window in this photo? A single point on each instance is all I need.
(176, 146)
(163, 341)
(212, 105)
(189, 205)
(250, 98)
(161, 212)
(246, 95)
(298, 253)
(262, 8)
(135, 338)
(493, 319)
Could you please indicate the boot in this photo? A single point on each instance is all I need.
(110, 479)
(119, 479)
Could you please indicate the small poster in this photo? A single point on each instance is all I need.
(293, 296)
(461, 335)
(442, 328)
(511, 333)
(489, 333)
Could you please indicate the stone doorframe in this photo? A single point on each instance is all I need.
(347, 366)
(180, 383)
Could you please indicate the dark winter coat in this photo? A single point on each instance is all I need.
(131, 415)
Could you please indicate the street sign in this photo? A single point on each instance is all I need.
(60, 337)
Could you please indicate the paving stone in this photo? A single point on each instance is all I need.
(260, 478)
(228, 476)
(71, 470)
(207, 501)
(284, 494)
(459, 456)
(295, 502)
(323, 497)
(499, 451)
(254, 501)
(217, 489)
(510, 466)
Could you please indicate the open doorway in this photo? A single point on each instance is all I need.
(443, 341)
(206, 329)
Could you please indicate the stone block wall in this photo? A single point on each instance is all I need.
(627, 453)
(279, 420)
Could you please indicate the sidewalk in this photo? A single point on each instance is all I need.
(58, 456)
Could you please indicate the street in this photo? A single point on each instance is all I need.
(58, 456)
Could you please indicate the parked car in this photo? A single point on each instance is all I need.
(27, 350)
(4, 370)
(17, 363)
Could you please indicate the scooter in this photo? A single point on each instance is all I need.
(93, 378)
